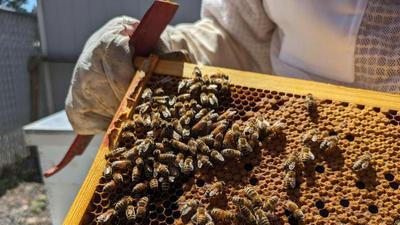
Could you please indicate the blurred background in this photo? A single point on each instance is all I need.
(40, 41)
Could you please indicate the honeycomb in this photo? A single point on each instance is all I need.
(328, 191)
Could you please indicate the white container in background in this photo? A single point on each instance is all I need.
(52, 136)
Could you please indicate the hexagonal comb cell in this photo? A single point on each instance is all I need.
(327, 189)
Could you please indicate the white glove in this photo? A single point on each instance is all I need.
(101, 76)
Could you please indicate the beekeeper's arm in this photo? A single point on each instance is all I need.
(223, 37)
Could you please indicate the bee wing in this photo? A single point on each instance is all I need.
(218, 156)
(199, 164)
(181, 85)
(194, 218)
(186, 209)
(204, 98)
(171, 179)
(292, 183)
(365, 165)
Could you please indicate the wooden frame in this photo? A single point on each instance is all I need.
(385, 101)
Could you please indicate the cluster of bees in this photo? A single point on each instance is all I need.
(251, 209)
(171, 137)
(312, 143)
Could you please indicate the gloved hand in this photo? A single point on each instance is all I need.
(101, 77)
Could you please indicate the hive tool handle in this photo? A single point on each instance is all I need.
(143, 41)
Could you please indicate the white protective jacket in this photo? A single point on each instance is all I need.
(348, 42)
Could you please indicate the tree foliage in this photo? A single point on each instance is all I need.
(17, 5)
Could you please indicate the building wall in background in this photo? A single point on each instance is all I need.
(18, 33)
(66, 25)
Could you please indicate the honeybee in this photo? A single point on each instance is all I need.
(188, 167)
(118, 178)
(187, 118)
(197, 75)
(153, 184)
(201, 217)
(208, 140)
(227, 115)
(311, 138)
(164, 183)
(156, 120)
(362, 162)
(131, 153)
(261, 217)
(215, 155)
(145, 145)
(231, 153)
(147, 94)
(183, 97)
(127, 138)
(172, 101)
(250, 128)
(179, 160)
(253, 196)
(203, 161)
(204, 100)
(220, 127)
(167, 158)
(165, 112)
(159, 91)
(177, 126)
(110, 186)
(243, 146)
(143, 202)
(246, 214)
(123, 203)
(292, 161)
(140, 188)
(199, 115)
(289, 180)
(311, 104)
(212, 100)
(271, 204)
(242, 201)
(202, 147)
(128, 126)
(222, 215)
(163, 100)
(329, 143)
(219, 138)
(136, 174)
(141, 212)
(192, 144)
(115, 153)
(306, 155)
(161, 169)
(143, 108)
(139, 162)
(276, 128)
(263, 127)
(130, 213)
(295, 210)
(148, 171)
(147, 121)
(189, 206)
(231, 136)
(216, 189)
(201, 127)
(180, 146)
(195, 88)
(106, 217)
(107, 173)
(183, 85)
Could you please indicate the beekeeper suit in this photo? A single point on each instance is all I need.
(348, 42)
